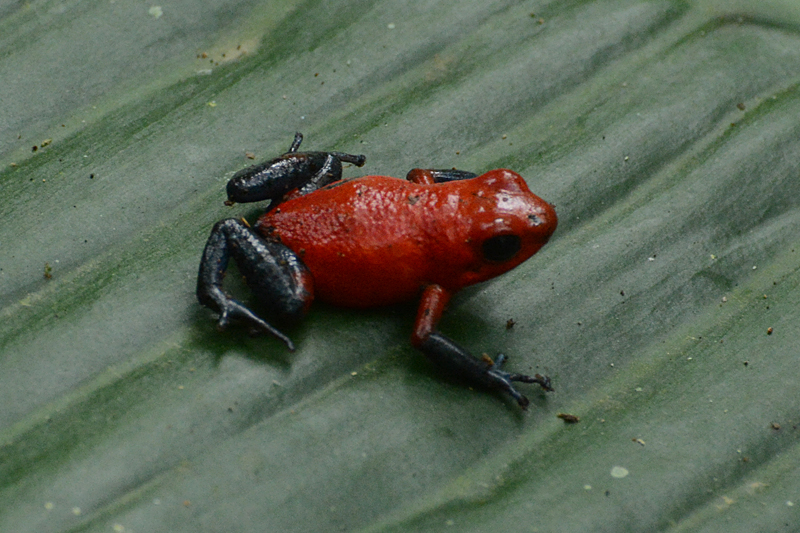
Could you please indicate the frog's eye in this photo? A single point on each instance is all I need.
(501, 247)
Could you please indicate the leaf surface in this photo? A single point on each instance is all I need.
(666, 133)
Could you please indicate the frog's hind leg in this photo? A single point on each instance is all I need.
(294, 172)
(429, 176)
(272, 271)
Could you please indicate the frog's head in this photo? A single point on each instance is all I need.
(509, 224)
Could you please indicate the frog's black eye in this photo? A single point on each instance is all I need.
(501, 248)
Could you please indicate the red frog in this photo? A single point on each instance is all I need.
(374, 241)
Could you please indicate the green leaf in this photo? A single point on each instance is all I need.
(664, 308)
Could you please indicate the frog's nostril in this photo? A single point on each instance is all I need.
(535, 219)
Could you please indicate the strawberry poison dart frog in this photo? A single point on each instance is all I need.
(375, 241)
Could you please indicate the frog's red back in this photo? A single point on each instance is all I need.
(378, 240)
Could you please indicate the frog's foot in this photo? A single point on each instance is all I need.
(484, 372)
(231, 309)
(503, 380)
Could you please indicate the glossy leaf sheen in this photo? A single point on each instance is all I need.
(666, 134)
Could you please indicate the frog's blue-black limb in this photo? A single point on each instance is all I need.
(457, 362)
(298, 138)
(273, 179)
(445, 175)
(274, 273)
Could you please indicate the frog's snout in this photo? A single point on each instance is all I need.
(543, 218)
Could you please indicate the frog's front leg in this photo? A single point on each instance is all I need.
(273, 272)
(429, 176)
(303, 172)
(455, 360)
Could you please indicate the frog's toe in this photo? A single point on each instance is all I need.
(502, 380)
(542, 381)
(496, 370)
(498, 363)
(233, 309)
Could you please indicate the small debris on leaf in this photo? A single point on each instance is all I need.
(568, 418)
(619, 472)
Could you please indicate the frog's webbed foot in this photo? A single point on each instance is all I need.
(481, 372)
